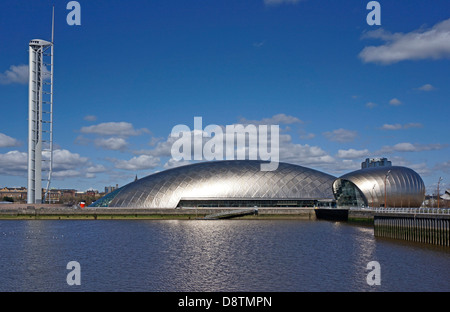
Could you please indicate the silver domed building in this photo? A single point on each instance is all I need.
(390, 186)
(241, 183)
(234, 183)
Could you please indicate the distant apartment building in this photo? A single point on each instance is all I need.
(19, 194)
(91, 192)
(16, 193)
(55, 195)
(109, 189)
(375, 162)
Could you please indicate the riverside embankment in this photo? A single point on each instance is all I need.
(59, 212)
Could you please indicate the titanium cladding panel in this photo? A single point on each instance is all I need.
(235, 179)
(404, 187)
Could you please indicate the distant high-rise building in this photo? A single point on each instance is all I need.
(375, 162)
(109, 189)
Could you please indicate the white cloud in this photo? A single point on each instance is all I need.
(421, 168)
(65, 165)
(91, 171)
(13, 163)
(161, 148)
(426, 87)
(399, 126)
(352, 153)
(69, 173)
(341, 135)
(391, 127)
(371, 105)
(412, 125)
(7, 141)
(66, 160)
(96, 169)
(259, 44)
(274, 120)
(288, 150)
(81, 140)
(137, 163)
(304, 155)
(115, 144)
(420, 44)
(411, 147)
(443, 167)
(395, 102)
(90, 118)
(121, 129)
(305, 135)
(15, 74)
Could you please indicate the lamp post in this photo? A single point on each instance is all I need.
(371, 194)
(385, 194)
(440, 179)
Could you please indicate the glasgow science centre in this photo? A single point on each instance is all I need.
(241, 183)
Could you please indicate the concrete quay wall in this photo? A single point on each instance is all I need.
(43, 211)
(360, 215)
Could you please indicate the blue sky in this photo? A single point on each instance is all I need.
(339, 89)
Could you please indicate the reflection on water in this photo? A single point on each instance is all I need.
(227, 255)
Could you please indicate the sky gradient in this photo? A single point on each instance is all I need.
(339, 89)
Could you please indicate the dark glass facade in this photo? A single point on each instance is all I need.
(106, 200)
(348, 195)
(232, 203)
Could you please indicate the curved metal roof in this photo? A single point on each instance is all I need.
(234, 179)
(404, 187)
(40, 42)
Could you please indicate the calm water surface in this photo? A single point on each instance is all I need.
(228, 255)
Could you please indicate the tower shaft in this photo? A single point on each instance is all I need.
(40, 108)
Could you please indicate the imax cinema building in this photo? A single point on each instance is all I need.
(241, 183)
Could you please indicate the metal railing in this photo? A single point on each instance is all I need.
(445, 211)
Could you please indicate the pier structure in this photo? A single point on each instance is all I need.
(424, 225)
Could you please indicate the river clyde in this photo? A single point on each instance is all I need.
(213, 256)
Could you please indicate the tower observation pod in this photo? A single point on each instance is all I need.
(40, 118)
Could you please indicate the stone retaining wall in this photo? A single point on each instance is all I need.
(43, 210)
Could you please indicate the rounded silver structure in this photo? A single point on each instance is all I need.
(226, 183)
(389, 186)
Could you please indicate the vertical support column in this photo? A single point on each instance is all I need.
(35, 111)
(31, 125)
(38, 150)
(34, 192)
